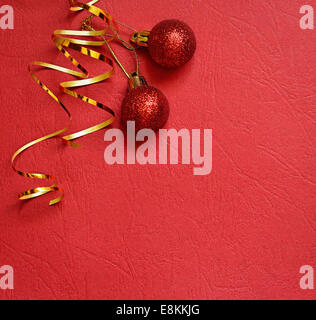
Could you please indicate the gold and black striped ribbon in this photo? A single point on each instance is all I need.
(62, 39)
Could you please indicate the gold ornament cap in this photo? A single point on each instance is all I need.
(136, 80)
(140, 38)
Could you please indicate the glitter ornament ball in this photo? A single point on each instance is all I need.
(171, 43)
(145, 105)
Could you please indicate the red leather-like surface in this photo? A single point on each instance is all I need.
(158, 231)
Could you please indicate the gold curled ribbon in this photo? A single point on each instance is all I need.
(62, 43)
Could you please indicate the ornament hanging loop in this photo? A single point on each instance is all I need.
(86, 23)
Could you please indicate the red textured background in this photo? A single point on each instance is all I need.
(158, 232)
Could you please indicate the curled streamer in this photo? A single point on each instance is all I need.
(62, 41)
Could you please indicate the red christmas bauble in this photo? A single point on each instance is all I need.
(171, 43)
(147, 106)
